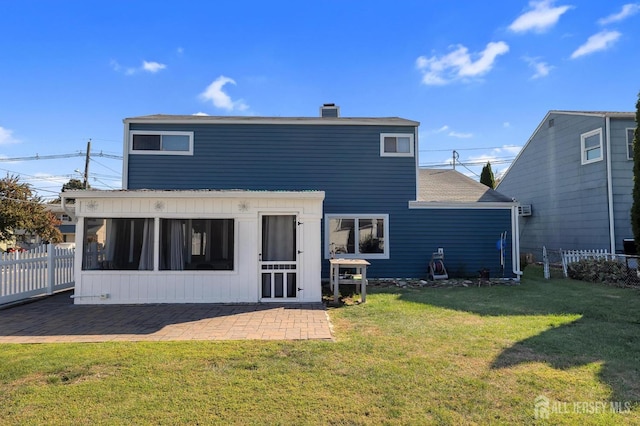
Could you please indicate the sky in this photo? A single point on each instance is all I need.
(478, 75)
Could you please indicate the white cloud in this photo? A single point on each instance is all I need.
(442, 129)
(458, 64)
(201, 114)
(600, 41)
(6, 136)
(508, 149)
(542, 16)
(153, 67)
(541, 69)
(219, 98)
(460, 135)
(626, 11)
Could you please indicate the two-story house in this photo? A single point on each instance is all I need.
(251, 209)
(574, 180)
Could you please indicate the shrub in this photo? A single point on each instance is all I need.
(598, 271)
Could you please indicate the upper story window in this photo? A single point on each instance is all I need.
(630, 132)
(166, 143)
(591, 145)
(396, 145)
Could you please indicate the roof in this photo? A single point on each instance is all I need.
(215, 119)
(436, 185)
(613, 114)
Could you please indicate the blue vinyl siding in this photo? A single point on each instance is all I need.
(468, 237)
(345, 162)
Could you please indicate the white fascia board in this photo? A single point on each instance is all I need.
(451, 206)
(341, 121)
(75, 194)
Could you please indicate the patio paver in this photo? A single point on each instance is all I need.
(57, 319)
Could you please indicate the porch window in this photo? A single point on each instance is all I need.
(202, 244)
(591, 144)
(118, 244)
(396, 145)
(166, 143)
(357, 236)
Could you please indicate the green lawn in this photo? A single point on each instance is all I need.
(410, 356)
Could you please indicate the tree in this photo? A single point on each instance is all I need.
(486, 177)
(74, 184)
(69, 186)
(20, 209)
(635, 207)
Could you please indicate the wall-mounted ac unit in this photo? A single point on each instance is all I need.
(524, 210)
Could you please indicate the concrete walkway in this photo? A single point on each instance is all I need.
(56, 319)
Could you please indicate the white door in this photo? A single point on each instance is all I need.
(278, 257)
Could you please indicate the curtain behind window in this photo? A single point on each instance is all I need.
(279, 238)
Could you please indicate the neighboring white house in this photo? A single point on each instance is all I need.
(200, 246)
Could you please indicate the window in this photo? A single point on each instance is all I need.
(591, 143)
(118, 244)
(357, 236)
(630, 133)
(202, 244)
(396, 145)
(167, 143)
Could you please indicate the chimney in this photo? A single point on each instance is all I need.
(329, 111)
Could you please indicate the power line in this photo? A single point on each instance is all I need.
(106, 167)
(59, 156)
(470, 149)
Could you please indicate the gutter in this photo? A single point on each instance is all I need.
(515, 243)
(612, 236)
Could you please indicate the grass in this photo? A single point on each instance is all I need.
(407, 356)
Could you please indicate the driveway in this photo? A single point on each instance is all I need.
(56, 319)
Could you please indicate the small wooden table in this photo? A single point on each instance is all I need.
(360, 266)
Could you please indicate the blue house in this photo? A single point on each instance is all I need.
(346, 187)
(574, 180)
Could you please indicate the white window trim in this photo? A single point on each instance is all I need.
(629, 142)
(583, 150)
(327, 249)
(383, 153)
(161, 133)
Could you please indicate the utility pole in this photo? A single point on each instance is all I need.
(86, 165)
(455, 157)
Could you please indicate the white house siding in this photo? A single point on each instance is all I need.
(241, 285)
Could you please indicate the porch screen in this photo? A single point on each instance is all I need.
(203, 244)
(118, 244)
(278, 238)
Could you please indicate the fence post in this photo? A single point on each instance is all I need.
(50, 268)
(545, 262)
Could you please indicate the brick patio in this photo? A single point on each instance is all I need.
(56, 319)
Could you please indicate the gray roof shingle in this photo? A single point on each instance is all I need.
(451, 186)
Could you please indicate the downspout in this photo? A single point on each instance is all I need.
(612, 236)
(416, 147)
(515, 242)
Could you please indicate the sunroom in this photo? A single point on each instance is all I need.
(202, 246)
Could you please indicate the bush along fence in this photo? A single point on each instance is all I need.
(43, 270)
(594, 266)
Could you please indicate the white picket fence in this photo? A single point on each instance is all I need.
(43, 270)
(570, 256)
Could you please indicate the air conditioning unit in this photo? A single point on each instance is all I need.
(524, 210)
